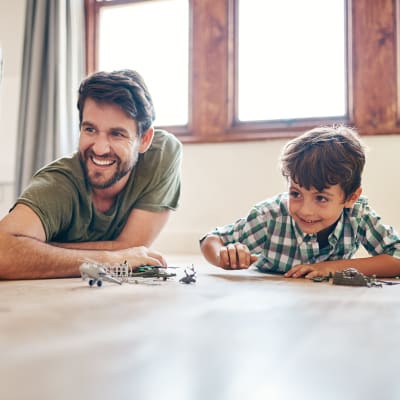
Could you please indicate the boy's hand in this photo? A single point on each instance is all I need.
(235, 256)
(310, 270)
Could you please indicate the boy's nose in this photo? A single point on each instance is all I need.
(307, 209)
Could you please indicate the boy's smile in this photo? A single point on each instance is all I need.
(315, 211)
(310, 221)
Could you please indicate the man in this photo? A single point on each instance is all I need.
(105, 202)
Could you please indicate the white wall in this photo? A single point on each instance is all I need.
(12, 19)
(220, 181)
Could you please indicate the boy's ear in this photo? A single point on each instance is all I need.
(353, 198)
(146, 139)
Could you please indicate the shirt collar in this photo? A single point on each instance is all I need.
(337, 232)
(306, 237)
(300, 235)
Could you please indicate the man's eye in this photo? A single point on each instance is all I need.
(89, 129)
(294, 194)
(117, 134)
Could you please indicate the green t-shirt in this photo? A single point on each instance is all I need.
(60, 196)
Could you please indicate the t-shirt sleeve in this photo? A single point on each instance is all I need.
(162, 166)
(49, 196)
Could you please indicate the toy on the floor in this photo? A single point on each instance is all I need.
(350, 277)
(123, 273)
(190, 275)
(96, 274)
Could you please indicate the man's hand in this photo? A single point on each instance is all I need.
(136, 256)
(235, 256)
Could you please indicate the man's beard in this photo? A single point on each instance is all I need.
(122, 170)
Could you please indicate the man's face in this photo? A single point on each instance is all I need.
(315, 211)
(108, 144)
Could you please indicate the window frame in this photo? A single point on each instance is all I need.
(373, 73)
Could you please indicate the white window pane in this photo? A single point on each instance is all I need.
(151, 37)
(292, 59)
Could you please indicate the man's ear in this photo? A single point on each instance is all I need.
(146, 139)
(353, 198)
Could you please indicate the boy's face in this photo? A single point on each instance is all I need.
(315, 211)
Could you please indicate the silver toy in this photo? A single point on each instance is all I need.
(96, 274)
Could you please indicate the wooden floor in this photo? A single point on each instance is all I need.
(232, 335)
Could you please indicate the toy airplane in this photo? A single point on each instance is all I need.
(96, 274)
(151, 271)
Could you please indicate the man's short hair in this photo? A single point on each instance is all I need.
(323, 157)
(125, 88)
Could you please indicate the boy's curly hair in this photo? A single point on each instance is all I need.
(323, 157)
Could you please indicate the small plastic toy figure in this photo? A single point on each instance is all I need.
(190, 275)
(353, 277)
(322, 278)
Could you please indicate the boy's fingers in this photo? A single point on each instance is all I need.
(292, 271)
(313, 274)
(223, 257)
(243, 255)
(299, 271)
(233, 257)
(253, 258)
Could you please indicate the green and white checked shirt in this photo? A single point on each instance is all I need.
(270, 231)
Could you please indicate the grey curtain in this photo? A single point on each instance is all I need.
(53, 66)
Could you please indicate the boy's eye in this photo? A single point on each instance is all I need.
(321, 199)
(294, 194)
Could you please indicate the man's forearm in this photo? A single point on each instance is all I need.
(108, 245)
(27, 258)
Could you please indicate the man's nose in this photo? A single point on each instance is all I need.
(101, 144)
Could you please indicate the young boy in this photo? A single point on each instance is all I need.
(316, 227)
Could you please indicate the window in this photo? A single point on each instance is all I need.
(156, 49)
(291, 67)
(364, 63)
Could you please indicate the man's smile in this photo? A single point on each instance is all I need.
(102, 162)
